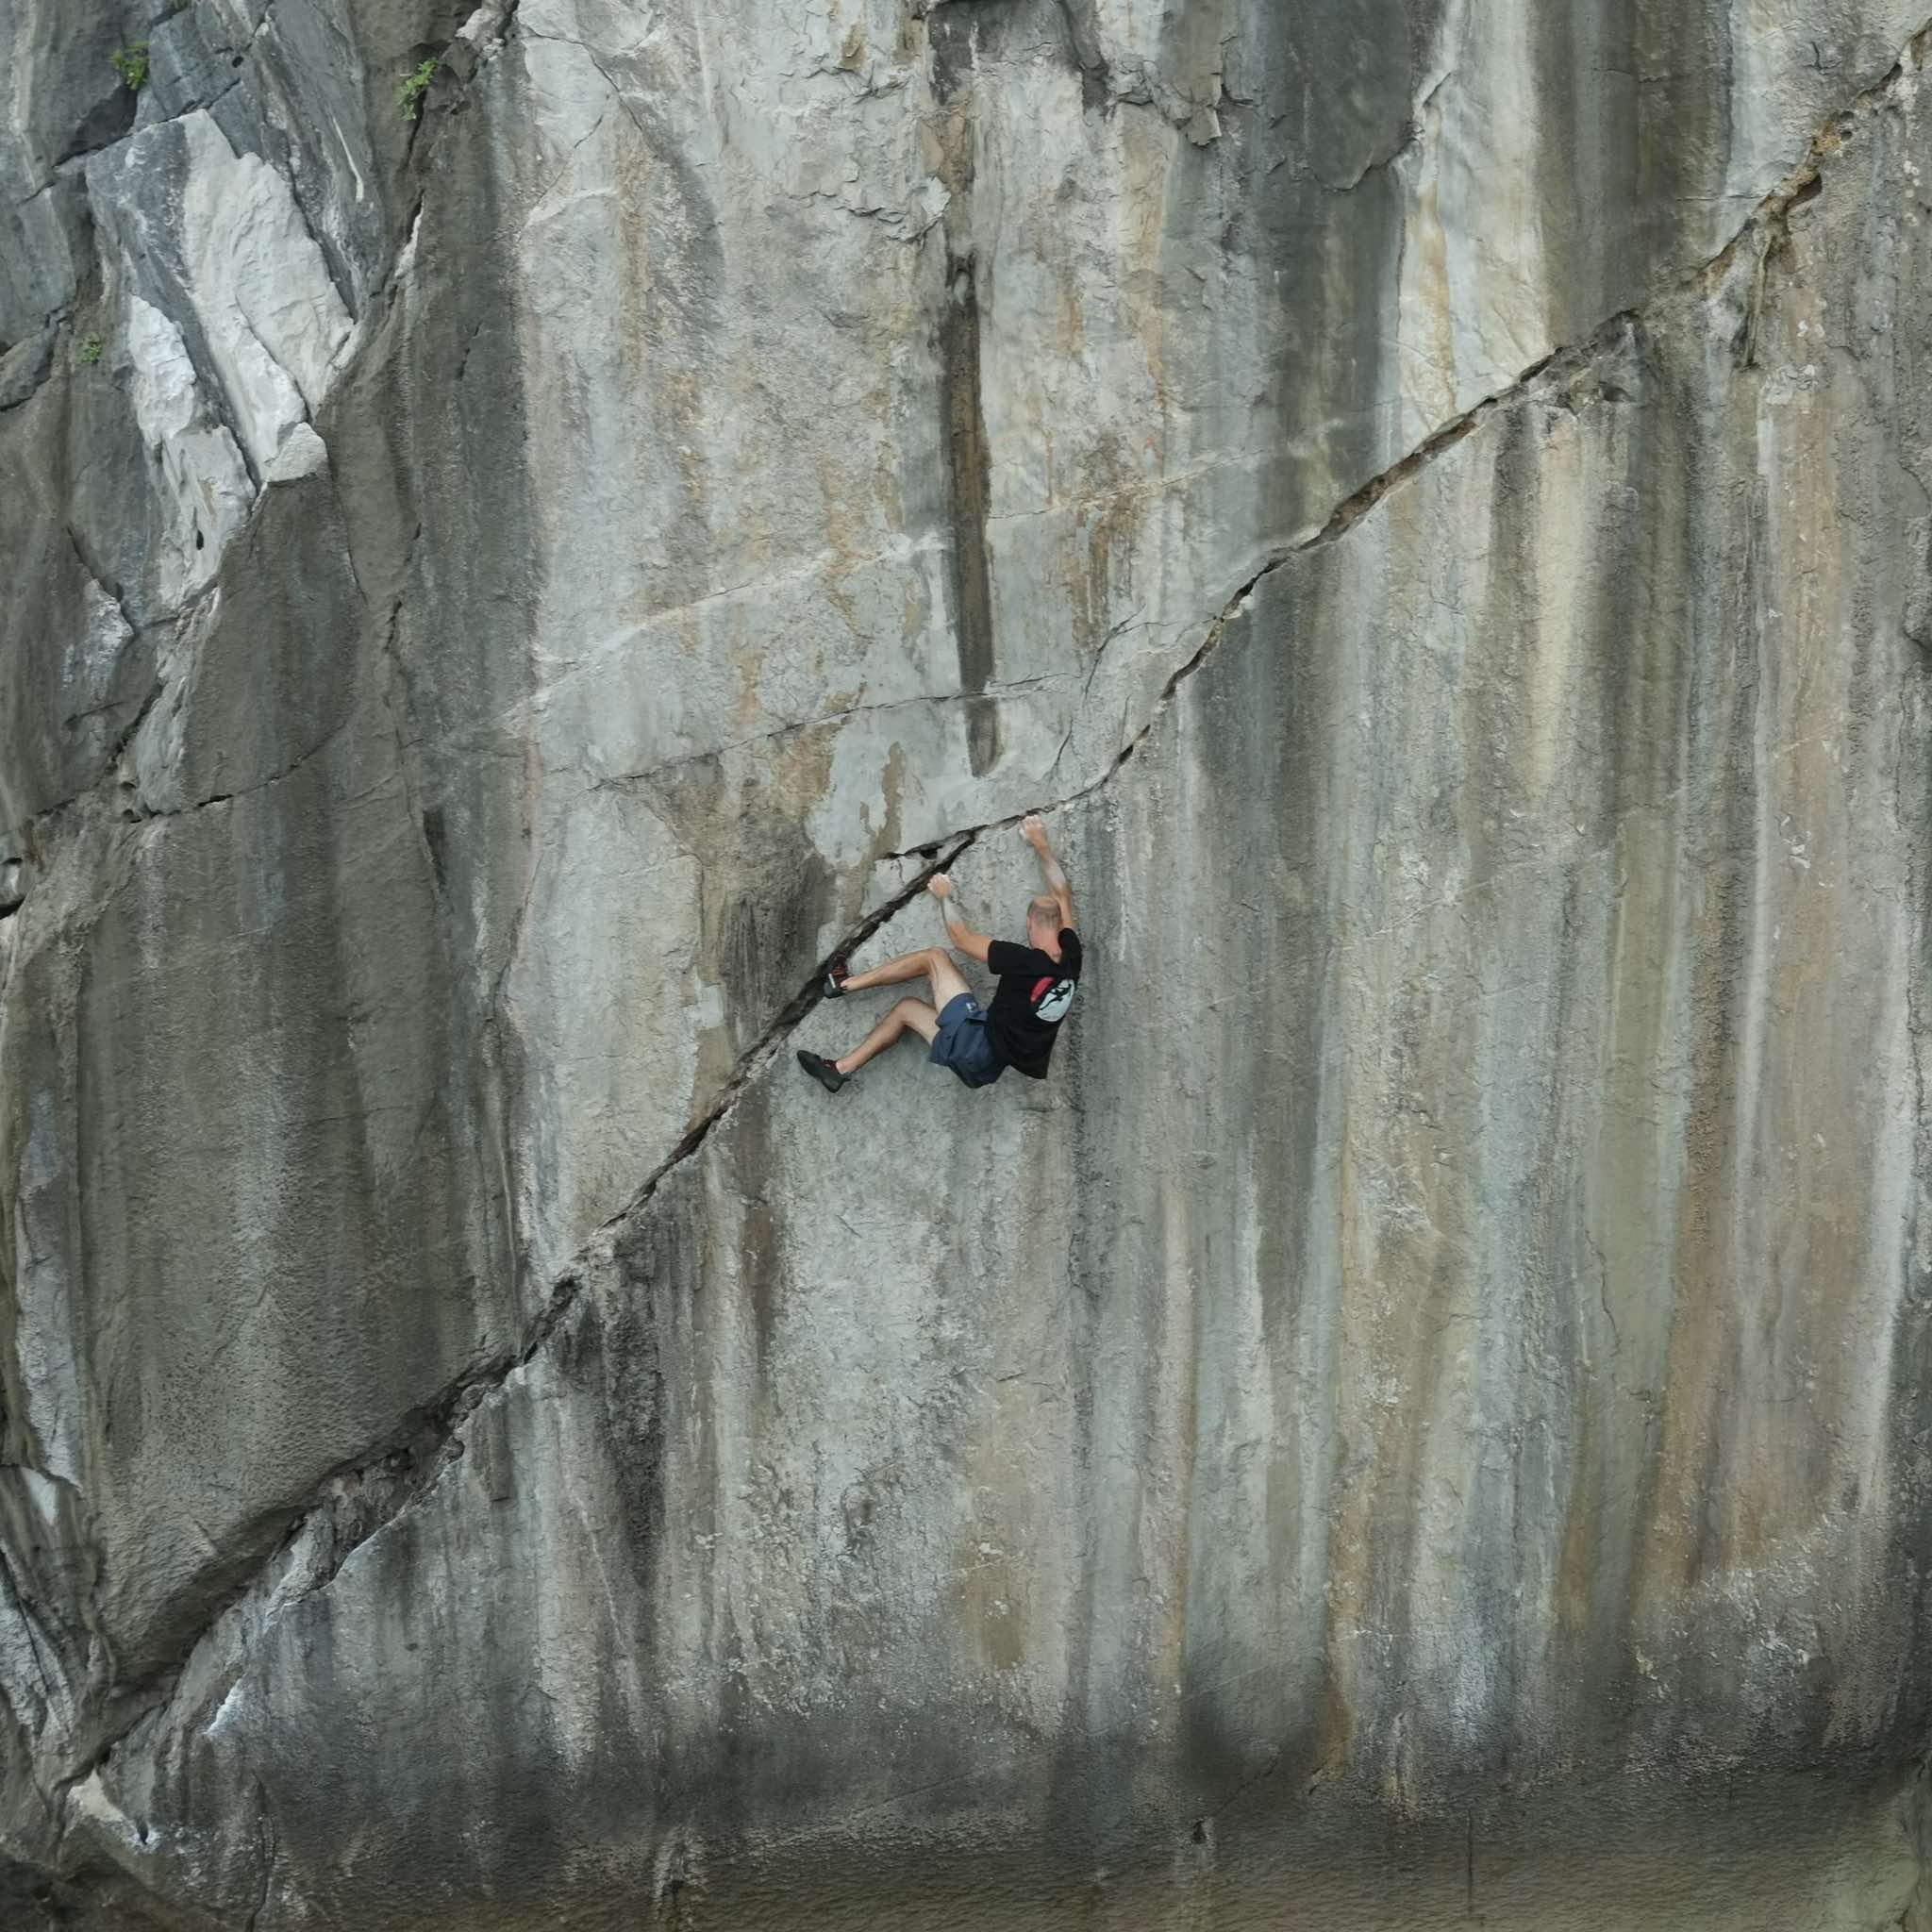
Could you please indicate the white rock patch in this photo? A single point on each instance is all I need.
(205, 485)
(257, 281)
(91, 655)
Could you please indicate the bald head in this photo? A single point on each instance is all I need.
(1043, 920)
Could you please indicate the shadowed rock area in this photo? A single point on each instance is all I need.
(1423, 1420)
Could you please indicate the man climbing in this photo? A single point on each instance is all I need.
(979, 1043)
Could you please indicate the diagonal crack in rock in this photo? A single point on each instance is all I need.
(367, 1492)
(373, 1488)
(1764, 228)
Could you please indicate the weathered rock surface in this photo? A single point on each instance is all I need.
(1423, 1420)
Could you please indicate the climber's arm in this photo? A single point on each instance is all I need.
(960, 936)
(1034, 832)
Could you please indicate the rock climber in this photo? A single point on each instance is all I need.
(979, 1043)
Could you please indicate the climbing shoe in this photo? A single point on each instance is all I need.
(835, 980)
(823, 1070)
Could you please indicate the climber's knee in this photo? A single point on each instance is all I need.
(946, 979)
(915, 1016)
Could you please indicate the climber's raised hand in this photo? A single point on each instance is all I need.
(1034, 831)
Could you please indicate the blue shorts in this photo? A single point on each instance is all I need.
(963, 1043)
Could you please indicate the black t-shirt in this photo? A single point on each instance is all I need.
(1033, 997)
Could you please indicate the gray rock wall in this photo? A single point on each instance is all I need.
(1422, 1419)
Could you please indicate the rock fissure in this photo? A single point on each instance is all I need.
(537, 210)
(992, 694)
(1412, 132)
(1909, 844)
(111, 592)
(77, 157)
(396, 673)
(139, 812)
(1203, 1825)
(1800, 185)
(318, 1524)
(1802, 182)
(352, 343)
(820, 563)
(29, 1622)
(400, 1471)
(268, 1862)
(1559, 364)
(1096, 81)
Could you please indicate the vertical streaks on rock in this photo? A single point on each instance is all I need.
(967, 472)
(1452, 1331)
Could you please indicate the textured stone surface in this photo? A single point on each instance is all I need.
(1424, 1418)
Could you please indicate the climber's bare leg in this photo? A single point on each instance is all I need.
(907, 1016)
(935, 964)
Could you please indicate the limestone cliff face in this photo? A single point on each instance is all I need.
(1423, 1420)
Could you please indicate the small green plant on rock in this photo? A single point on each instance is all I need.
(130, 63)
(409, 98)
(90, 350)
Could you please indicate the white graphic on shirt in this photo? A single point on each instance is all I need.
(1054, 1006)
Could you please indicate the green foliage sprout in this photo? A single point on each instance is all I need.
(409, 98)
(130, 63)
(90, 350)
